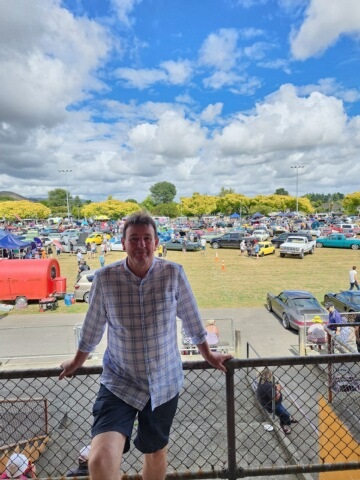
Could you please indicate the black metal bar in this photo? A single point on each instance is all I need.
(230, 418)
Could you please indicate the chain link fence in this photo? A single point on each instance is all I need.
(220, 429)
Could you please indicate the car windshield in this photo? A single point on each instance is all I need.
(306, 303)
(355, 298)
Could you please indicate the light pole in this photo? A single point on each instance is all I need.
(297, 186)
(67, 192)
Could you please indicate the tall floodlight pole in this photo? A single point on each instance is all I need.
(67, 192)
(297, 186)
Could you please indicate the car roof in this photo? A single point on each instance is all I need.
(298, 293)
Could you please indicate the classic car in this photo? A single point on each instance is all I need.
(292, 305)
(260, 234)
(116, 246)
(277, 241)
(266, 248)
(177, 244)
(338, 240)
(229, 240)
(347, 301)
(97, 237)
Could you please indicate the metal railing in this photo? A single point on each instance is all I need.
(218, 430)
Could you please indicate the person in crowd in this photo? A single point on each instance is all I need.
(50, 251)
(142, 369)
(160, 250)
(103, 248)
(102, 260)
(256, 249)
(58, 250)
(164, 250)
(83, 266)
(93, 250)
(353, 278)
(347, 336)
(18, 466)
(203, 245)
(43, 252)
(212, 333)
(88, 250)
(79, 257)
(184, 244)
(316, 332)
(269, 393)
(82, 469)
(242, 247)
(334, 317)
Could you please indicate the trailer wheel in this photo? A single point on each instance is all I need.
(21, 301)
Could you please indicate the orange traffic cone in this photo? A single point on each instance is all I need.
(223, 266)
(216, 257)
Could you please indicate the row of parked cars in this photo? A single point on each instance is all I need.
(291, 305)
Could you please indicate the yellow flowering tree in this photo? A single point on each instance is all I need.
(16, 210)
(113, 209)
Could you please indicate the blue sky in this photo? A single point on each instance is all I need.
(202, 93)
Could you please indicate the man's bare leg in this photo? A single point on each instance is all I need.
(155, 465)
(106, 455)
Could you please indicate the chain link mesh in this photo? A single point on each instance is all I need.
(34, 405)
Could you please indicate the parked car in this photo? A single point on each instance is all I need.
(292, 305)
(297, 246)
(338, 240)
(260, 234)
(277, 241)
(83, 285)
(266, 248)
(97, 237)
(116, 246)
(209, 236)
(177, 244)
(347, 301)
(229, 240)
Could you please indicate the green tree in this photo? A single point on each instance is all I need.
(166, 210)
(57, 198)
(163, 192)
(281, 191)
(148, 204)
(352, 202)
(131, 200)
(226, 191)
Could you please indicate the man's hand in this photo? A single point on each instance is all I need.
(217, 360)
(70, 366)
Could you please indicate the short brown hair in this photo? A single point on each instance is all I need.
(139, 218)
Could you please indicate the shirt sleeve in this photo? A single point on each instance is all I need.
(188, 312)
(95, 319)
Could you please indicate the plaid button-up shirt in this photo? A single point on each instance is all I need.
(142, 358)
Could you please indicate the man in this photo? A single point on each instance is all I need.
(138, 299)
(334, 317)
(203, 245)
(353, 278)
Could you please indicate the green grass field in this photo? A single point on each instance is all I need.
(244, 282)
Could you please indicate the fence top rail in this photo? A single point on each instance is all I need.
(231, 365)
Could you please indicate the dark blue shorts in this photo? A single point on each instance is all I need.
(111, 414)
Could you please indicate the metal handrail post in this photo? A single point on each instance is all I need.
(230, 418)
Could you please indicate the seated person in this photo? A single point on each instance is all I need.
(212, 333)
(347, 336)
(266, 392)
(19, 466)
(316, 332)
(82, 470)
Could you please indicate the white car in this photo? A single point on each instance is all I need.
(260, 235)
(117, 246)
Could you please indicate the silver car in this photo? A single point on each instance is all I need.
(83, 285)
(292, 306)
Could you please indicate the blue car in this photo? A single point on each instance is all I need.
(348, 301)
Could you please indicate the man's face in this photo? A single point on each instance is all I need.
(140, 245)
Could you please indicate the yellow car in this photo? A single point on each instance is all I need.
(266, 248)
(97, 237)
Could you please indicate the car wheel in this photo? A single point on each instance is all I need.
(285, 321)
(21, 301)
(312, 251)
(355, 246)
(319, 245)
(277, 245)
(261, 254)
(86, 297)
(268, 305)
(215, 245)
(301, 255)
(272, 253)
(282, 255)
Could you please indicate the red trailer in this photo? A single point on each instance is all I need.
(30, 279)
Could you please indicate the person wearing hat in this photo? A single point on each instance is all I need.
(316, 332)
(18, 466)
(334, 317)
(82, 470)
